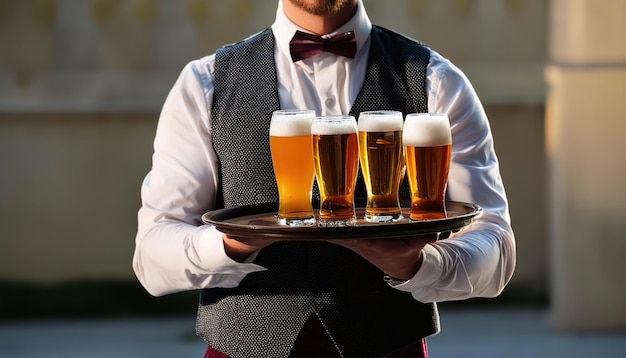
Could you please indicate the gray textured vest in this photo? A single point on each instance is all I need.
(262, 316)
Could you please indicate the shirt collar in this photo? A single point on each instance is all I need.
(284, 29)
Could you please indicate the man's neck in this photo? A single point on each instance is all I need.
(319, 24)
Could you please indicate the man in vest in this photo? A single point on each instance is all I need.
(325, 298)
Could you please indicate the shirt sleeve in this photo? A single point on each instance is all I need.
(479, 260)
(174, 251)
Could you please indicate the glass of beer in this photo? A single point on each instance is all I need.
(292, 158)
(382, 163)
(427, 148)
(336, 154)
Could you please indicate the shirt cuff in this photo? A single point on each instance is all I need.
(226, 271)
(430, 271)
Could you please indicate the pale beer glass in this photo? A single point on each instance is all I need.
(292, 158)
(336, 154)
(382, 163)
(427, 148)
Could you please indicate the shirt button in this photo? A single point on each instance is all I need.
(330, 102)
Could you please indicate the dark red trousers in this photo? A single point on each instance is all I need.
(313, 342)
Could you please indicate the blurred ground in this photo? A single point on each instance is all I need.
(468, 332)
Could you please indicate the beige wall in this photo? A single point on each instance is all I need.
(69, 192)
(585, 126)
(82, 81)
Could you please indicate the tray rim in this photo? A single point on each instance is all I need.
(219, 218)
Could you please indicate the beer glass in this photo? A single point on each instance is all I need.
(292, 158)
(336, 154)
(427, 148)
(382, 163)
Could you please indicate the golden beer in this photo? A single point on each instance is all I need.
(336, 157)
(382, 163)
(427, 148)
(292, 158)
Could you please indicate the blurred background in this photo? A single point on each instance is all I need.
(82, 83)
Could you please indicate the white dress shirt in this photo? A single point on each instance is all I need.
(176, 252)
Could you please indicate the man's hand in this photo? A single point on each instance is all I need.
(399, 258)
(240, 248)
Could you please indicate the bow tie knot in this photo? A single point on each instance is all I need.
(304, 45)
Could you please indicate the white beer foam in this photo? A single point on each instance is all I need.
(426, 130)
(380, 121)
(291, 124)
(334, 125)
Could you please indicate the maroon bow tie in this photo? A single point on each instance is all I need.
(304, 45)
